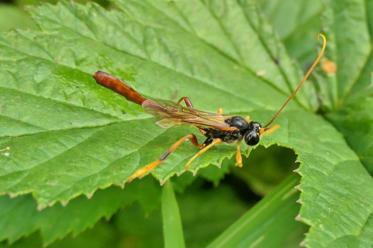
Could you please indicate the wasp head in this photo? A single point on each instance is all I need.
(252, 134)
(249, 130)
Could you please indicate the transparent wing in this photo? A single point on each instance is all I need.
(170, 114)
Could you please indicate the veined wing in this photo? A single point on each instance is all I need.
(170, 114)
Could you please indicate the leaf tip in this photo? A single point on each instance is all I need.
(299, 201)
(298, 218)
(64, 203)
(89, 195)
(162, 181)
(297, 170)
(302, 244)
(12, 195)
(298, 188)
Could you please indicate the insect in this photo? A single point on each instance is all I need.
(216, 127)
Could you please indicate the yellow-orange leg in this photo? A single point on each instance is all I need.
(267, 131)
(220, 111)
(248, 119)
(238, 155)
(202, 151)
(146, 169)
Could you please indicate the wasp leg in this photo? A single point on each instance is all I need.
(238, 155)
(248, 119)
(202, 151)
(220, 111)
(267, 131)
(186, 100)
(146, 169)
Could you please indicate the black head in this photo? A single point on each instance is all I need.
(252, 135)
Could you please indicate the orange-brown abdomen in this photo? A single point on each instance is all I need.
(118, 86)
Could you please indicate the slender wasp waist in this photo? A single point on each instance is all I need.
(249, 131)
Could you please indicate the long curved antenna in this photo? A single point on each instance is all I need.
(306, 76)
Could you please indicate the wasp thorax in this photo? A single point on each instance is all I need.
(238, 122)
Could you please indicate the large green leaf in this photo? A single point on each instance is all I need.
(64, 135)
(97, 135)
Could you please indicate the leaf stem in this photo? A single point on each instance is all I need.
(172, 226)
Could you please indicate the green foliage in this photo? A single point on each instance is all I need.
(62, 135)
(205, 213)
(296, 23)
(356, 124)
(262, 172)
(172, 227)
(19, 216)
(260, 224)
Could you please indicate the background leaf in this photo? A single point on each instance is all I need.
(137, 227)
(263, 172)
(20, 217)
(356, 123)
(270, 223)
(296, 23)
(202, 219)
(172, 227)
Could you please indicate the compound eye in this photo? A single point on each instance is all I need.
(252, 138)
(256, 126)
